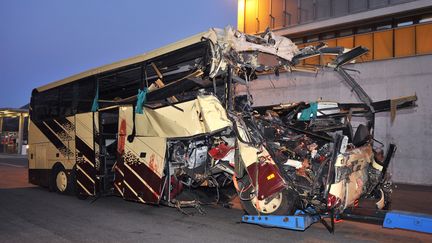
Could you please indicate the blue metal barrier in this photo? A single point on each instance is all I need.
(298, 221)
(301, 221)
(407, 220)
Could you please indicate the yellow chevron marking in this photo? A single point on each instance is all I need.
(141, 179)
(85, 173)
(130, 188)
(83, 187)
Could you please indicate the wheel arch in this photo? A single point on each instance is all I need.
(57, 165)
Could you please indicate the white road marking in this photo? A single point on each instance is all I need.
(18, 166)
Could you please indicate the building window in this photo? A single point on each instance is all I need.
(328, 35)
(425, 18)
(346, 32)
(384, 26)
(297, 41)
(405, 23)
(364, 29)
(312, 38)
(385, 43)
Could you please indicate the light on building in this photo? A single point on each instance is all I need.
(240, 15)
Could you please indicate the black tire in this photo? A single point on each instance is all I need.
(283, 203)
(60, 180)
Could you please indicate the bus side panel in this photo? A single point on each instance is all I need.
(142, 163)
(86, 161)
(49, 143)
(67, 135)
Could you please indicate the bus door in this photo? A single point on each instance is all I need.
(87, 163)
(140, 167)
(107, 141)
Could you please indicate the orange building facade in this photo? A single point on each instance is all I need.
(388, 28)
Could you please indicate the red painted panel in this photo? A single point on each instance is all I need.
(141, 178)
(269, 179)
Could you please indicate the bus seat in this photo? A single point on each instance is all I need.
(361, 136)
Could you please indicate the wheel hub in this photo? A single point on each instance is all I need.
(269, 205)
(61, 181)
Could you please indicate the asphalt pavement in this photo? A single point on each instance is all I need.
(33, 214)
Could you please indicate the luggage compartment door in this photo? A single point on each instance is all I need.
(87, 163)
(143, 162)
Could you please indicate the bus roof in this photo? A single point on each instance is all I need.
(132, 60)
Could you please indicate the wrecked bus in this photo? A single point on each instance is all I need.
(160, 126)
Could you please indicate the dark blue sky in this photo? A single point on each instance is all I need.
(42, 41)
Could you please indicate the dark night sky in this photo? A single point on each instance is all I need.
(42, 41)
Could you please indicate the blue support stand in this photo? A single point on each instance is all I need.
(299, 221)
(407, 220)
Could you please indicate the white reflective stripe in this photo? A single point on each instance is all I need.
(142, 180)
(130, 188)
(85, 173)
(88, 161)
(118, 169)
(85, 189)
(64, 129)
(52, 131)
(118, 189)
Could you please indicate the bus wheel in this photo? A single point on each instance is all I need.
(60, 182)
(282, 203)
